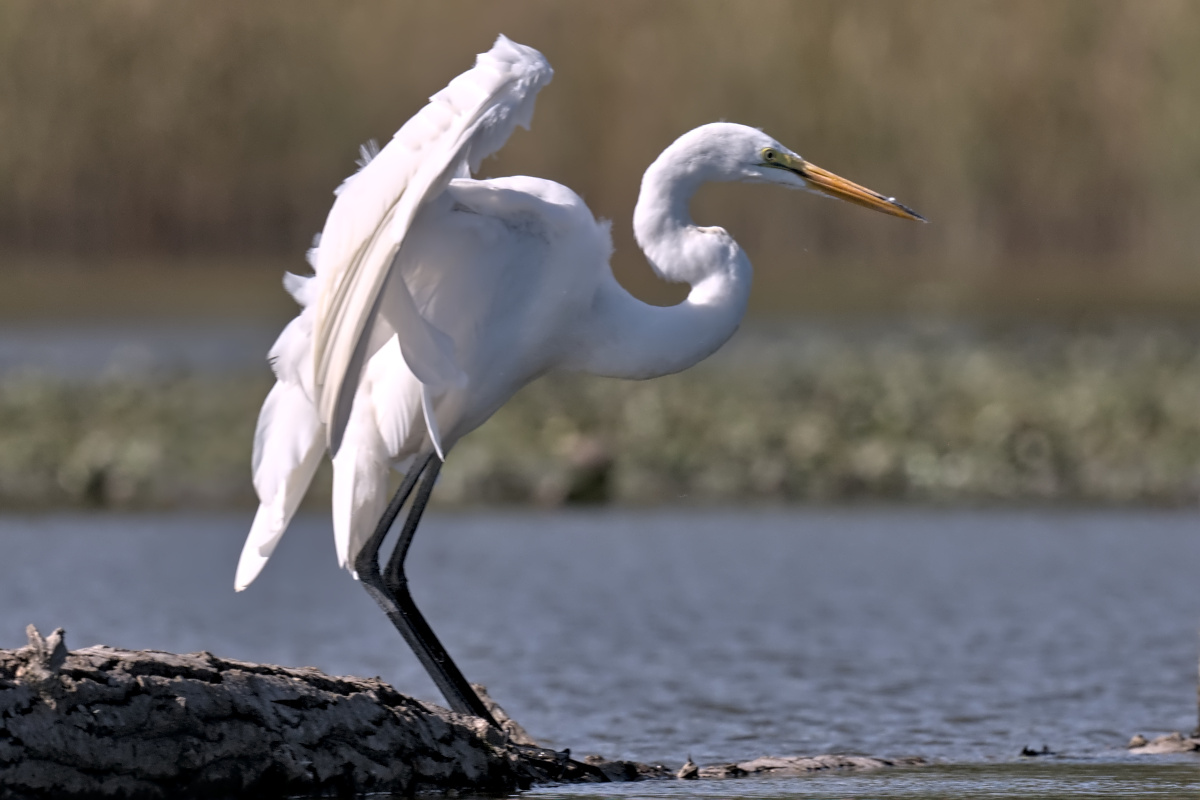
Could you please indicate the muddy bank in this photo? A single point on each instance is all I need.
(104, 722)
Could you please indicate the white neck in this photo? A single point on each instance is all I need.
(632, 339)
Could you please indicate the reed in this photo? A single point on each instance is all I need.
(1061, 136)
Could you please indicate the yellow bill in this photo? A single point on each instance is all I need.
(827, 183)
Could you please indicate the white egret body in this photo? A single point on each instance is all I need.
(436, 297)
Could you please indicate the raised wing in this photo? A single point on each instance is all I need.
(464, 123)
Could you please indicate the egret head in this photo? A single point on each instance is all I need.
(740, 153)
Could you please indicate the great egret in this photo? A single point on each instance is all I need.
(436, 297)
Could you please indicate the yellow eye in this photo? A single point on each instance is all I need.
(769, 154)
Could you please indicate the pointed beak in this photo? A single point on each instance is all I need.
(827, 183)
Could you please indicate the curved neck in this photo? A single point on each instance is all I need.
(638, 340)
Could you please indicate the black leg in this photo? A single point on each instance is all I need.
(393, 576)
(390, 591)
(367, 559)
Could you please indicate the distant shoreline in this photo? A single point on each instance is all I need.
(886, 412)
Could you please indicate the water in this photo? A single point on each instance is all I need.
(94, 350)
(89, 350)
(958, 636)
(1076, 781)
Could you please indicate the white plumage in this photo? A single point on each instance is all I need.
(436, 296)
(320, 355)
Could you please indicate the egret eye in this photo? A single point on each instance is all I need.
(769, 154)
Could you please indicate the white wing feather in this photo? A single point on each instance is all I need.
(341, 347)
(290, 454)
(379, 424)
(364, 234)
(288, 441)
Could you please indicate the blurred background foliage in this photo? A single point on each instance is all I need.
(1056, 145)
(913, 413)
(166, 161)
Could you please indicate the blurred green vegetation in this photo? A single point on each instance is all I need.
(898, 413)
(1056, 139)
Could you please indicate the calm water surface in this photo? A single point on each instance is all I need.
(96, 350)
(90, 350)
(958, 636)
